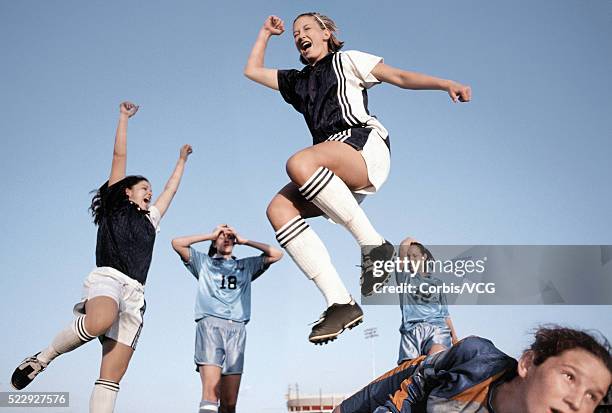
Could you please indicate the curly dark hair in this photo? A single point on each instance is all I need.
(552, 340)
(107, 199)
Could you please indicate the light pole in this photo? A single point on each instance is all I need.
(369, 334)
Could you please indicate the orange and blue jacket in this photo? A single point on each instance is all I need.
(455, 380)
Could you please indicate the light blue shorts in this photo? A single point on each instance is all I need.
(220, 342)
(419, 339)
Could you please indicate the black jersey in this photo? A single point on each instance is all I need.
(332, 97)
(126, 236)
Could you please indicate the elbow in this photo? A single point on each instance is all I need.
(276, 255)
(249, 72)
(407, 241)
(176, 244)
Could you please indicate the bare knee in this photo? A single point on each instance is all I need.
(280, 211)
(301, 166)
(211, 392)
(98, 321)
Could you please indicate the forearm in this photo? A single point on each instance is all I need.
(119, 162)
(166, 197)
(175, 179)
(120, 148)
(258, 52)
(268, 250)
(420, 81)
(189, 240)
(255, 69)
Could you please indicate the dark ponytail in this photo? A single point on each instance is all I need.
(107, 199)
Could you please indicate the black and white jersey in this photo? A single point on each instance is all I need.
(332, 96)
(125, 240)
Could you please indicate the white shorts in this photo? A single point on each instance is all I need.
(374, 151)
(129, 295)
(378, 161)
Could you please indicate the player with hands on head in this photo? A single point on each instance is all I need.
(113, 303)
(426, 326)
(349, 159)
(222, 309)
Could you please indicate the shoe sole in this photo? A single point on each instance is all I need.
(385, 278)
(326, 338)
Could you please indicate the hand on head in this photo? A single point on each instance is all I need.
(274, 25)
(239, 240)
(128, 108)
(218, 230)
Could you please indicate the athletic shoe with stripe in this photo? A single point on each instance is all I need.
(370, 255)
(336, 319)
(26, 372)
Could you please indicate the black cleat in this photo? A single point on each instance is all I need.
(26, 372)
(370, 255)
(336, 319)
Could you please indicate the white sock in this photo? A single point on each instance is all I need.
(70, 338)
(103, 396)
(310, 255)
(207, 406)
(332, 196)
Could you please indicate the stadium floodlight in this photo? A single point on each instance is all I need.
(369, 334)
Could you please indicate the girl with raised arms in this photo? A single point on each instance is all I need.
(113, 304)
(349, 159)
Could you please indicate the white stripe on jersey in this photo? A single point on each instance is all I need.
(342, 98)
(350, 96)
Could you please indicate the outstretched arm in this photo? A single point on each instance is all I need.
(413, 80)
(181, 244)
(271, 254)
(126, 111)
(164, 200)
(254, 69)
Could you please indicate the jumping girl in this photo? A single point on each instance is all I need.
(113, 302)
(223, 307)
(349, 158)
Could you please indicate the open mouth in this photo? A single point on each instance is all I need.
(305, 45)
(147, 200)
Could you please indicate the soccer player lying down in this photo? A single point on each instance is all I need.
(564, 370)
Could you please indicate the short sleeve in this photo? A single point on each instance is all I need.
(255, 266)
(196, 261)
(363, 64)
(154, 217)
(287, 80)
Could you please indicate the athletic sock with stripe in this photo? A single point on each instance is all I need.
(310, 255)
(70, 338)
(103, 396)
(335, 199)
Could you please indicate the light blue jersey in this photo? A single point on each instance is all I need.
(224, 286)
(421, 307)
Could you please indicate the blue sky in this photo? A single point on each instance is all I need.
(526, 162)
